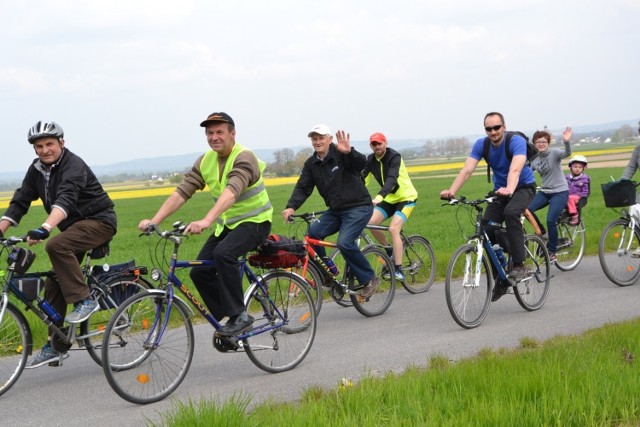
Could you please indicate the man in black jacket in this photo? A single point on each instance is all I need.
(77, 204)
(335, 170)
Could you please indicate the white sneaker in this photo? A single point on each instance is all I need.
(636, 253)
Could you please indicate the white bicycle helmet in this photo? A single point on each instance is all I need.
(578, 158)
(44, 129)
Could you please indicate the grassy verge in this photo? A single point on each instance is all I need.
(587, 380)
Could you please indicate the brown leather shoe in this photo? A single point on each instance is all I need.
(370, 288)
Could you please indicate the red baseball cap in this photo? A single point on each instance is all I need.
(377, 137)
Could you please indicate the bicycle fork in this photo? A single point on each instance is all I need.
(624, 245)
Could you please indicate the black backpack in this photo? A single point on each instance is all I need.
(531, 150)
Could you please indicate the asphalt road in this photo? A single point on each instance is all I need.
(347, 345)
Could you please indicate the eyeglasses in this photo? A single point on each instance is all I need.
(375, 144)
(490, 128)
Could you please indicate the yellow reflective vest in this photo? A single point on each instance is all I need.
(252, 205)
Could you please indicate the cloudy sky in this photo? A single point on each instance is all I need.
(133, 79)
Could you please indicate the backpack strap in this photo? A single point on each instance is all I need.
(485, 152)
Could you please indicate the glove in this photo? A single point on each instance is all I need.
(38, 234)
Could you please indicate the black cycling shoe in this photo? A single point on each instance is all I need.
(236, 324)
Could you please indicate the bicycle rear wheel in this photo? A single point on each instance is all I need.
(571, 244)
(418, 265)
(532, 293)
(109, 295)
(15, 346)
(468, 295)
(615, 247)
(140, 367)
(381, 298)
(285, 322)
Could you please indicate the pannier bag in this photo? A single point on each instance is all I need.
(21, 259)
(279, 251)
(619, 194)
(30, 287)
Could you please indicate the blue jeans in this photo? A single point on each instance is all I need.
(556, 202)
(350, 223)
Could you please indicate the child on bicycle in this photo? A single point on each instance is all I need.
(579, 186)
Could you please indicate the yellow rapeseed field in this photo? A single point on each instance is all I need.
(135, 191)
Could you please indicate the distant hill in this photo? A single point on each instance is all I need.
(182, 162)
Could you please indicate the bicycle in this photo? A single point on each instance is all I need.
(571, 238)
(469, 280)
(155, 332)
(338, 279)
(109, 285)
(418, 259)
(620, 239)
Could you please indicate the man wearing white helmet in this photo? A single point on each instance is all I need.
(78, 206)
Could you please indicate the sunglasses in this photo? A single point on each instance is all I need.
(490, 128)
(375, 143)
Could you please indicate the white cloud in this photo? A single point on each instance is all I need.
(413, 69)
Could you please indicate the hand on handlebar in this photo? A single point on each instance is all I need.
(38, 234)
(287, 213)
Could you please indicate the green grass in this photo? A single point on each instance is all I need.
(587, 380)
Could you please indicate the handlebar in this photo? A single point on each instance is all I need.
(463, 200)
(12, 241)
(307, 217)
(178, 230)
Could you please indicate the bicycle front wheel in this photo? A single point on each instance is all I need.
(15, 346)
(381, 298)
(532, 292)
(615, 250)
(467, 290)
(418, 265)
(285, 322)
(571, 244)
(109, 296)
(142, 362)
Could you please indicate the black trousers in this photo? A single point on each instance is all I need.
(221, 286)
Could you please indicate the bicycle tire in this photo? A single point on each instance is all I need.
(532, 292)
(468, 302)
(571, 245)
(381, 299)
(315, 280)
(615, 246)
(15, 346)
(285, 322)
(94, 327)
(418, 265)
(135, 371)
(338, 260)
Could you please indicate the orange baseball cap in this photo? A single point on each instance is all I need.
(377, 137)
